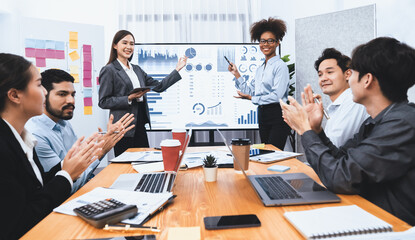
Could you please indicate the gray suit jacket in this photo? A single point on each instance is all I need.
(115, 85)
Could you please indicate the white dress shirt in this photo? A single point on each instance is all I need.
(133, 77)
(346, 117)
(27, 143)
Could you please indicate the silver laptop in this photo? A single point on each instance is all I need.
(286, 189)
(156, 182)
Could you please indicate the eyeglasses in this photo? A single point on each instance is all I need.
(269, 41)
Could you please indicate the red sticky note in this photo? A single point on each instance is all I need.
(87, 82)
(40, 53)
(50, 53)
(40, 62)
(60, 54)
(87, 101)
(30, 52)
(87, 66)
(87, 74)
(97, 80)
(87, 48)
(87, 57)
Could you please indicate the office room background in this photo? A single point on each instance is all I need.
(175, 21)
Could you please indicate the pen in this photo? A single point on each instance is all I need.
(157, 148)
(131, 227)
(106, 132)
(324, 110)
(227, 60)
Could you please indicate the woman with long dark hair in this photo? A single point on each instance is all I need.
(270, 84)
(28, 193)
(118, 78)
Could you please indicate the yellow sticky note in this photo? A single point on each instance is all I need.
(184, 233)
(73, 69)
(73, 36)
(261, 145)
(73, 44)
(74, 55)
(76, 77)
(88, 110)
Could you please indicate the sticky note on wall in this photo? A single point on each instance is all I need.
(74, 55)
(87, 92)
(88, 110)
(76, 76)
(88, 101)
(73, 40)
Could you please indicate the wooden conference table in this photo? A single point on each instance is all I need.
(196, 199)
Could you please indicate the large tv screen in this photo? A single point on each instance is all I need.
(204, 98)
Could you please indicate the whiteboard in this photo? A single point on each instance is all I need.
(55, 35)
(204, 98)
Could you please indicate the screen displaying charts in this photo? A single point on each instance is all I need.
(204, 97)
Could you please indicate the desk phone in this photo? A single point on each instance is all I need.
(108, 211)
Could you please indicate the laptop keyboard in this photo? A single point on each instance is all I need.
(276, 188)
(155, 182)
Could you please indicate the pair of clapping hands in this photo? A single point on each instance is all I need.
(85, 152)
(305, 116)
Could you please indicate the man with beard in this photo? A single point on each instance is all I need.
(54, 134)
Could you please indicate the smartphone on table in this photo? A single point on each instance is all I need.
(231, 221)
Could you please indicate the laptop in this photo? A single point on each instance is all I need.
(155, 182)
(286, 189)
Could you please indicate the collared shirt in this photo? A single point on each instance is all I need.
(346, 117)
(133, 77)
(27, 142)
(54, 142)
(270, 84)
(378, 163)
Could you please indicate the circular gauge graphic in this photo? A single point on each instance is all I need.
(208, 67)
(242, 68)
(244, 50)
(252, 67)
(253, 50)
(189, 67)
(198, 108)
(190, 53)
(199, 67)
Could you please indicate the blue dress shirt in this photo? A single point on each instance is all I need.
(270, 84)
(53, 143)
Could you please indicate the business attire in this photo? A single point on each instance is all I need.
(116, 82)
(270, 84)
(345, 120)
(54, 140)
(378, 163)
(28, 193)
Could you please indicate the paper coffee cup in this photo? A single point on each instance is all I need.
(170, 149)
(240, 149)
(179, 134)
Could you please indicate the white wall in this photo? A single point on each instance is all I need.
(395, 18)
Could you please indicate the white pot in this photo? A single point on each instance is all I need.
(211, 173)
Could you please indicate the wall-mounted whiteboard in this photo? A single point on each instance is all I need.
(204, 98)
(77, 49)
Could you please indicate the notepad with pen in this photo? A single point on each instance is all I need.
(332, 222)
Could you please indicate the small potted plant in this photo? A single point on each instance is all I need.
(210, 168)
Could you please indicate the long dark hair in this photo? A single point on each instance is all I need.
(117, 37)
(14, 73)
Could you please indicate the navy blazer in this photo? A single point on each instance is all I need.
(24, 201)
(115, 85)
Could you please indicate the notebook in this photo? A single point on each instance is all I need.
(332, 222)
(286, 189)
(152, 182)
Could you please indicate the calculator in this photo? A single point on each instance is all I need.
(108, 211)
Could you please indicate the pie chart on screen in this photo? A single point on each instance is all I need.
(190, 53)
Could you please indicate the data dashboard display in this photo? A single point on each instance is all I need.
(204, 97)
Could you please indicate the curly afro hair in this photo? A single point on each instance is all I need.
(276, 26)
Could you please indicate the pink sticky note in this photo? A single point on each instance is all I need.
(87, 82)
(87, 66)
(40, 53)
(30, 52)
(97, 80)
(87, 74)
(40, 62)
(87, 48)
(50, 53)
(87, 57)
(87, 101)
(60, 54)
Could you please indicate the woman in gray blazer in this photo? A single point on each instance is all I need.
(118, 78)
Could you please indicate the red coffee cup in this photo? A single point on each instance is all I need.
(170, 150)
(179, 134)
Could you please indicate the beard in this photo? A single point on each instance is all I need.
(59, 113)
